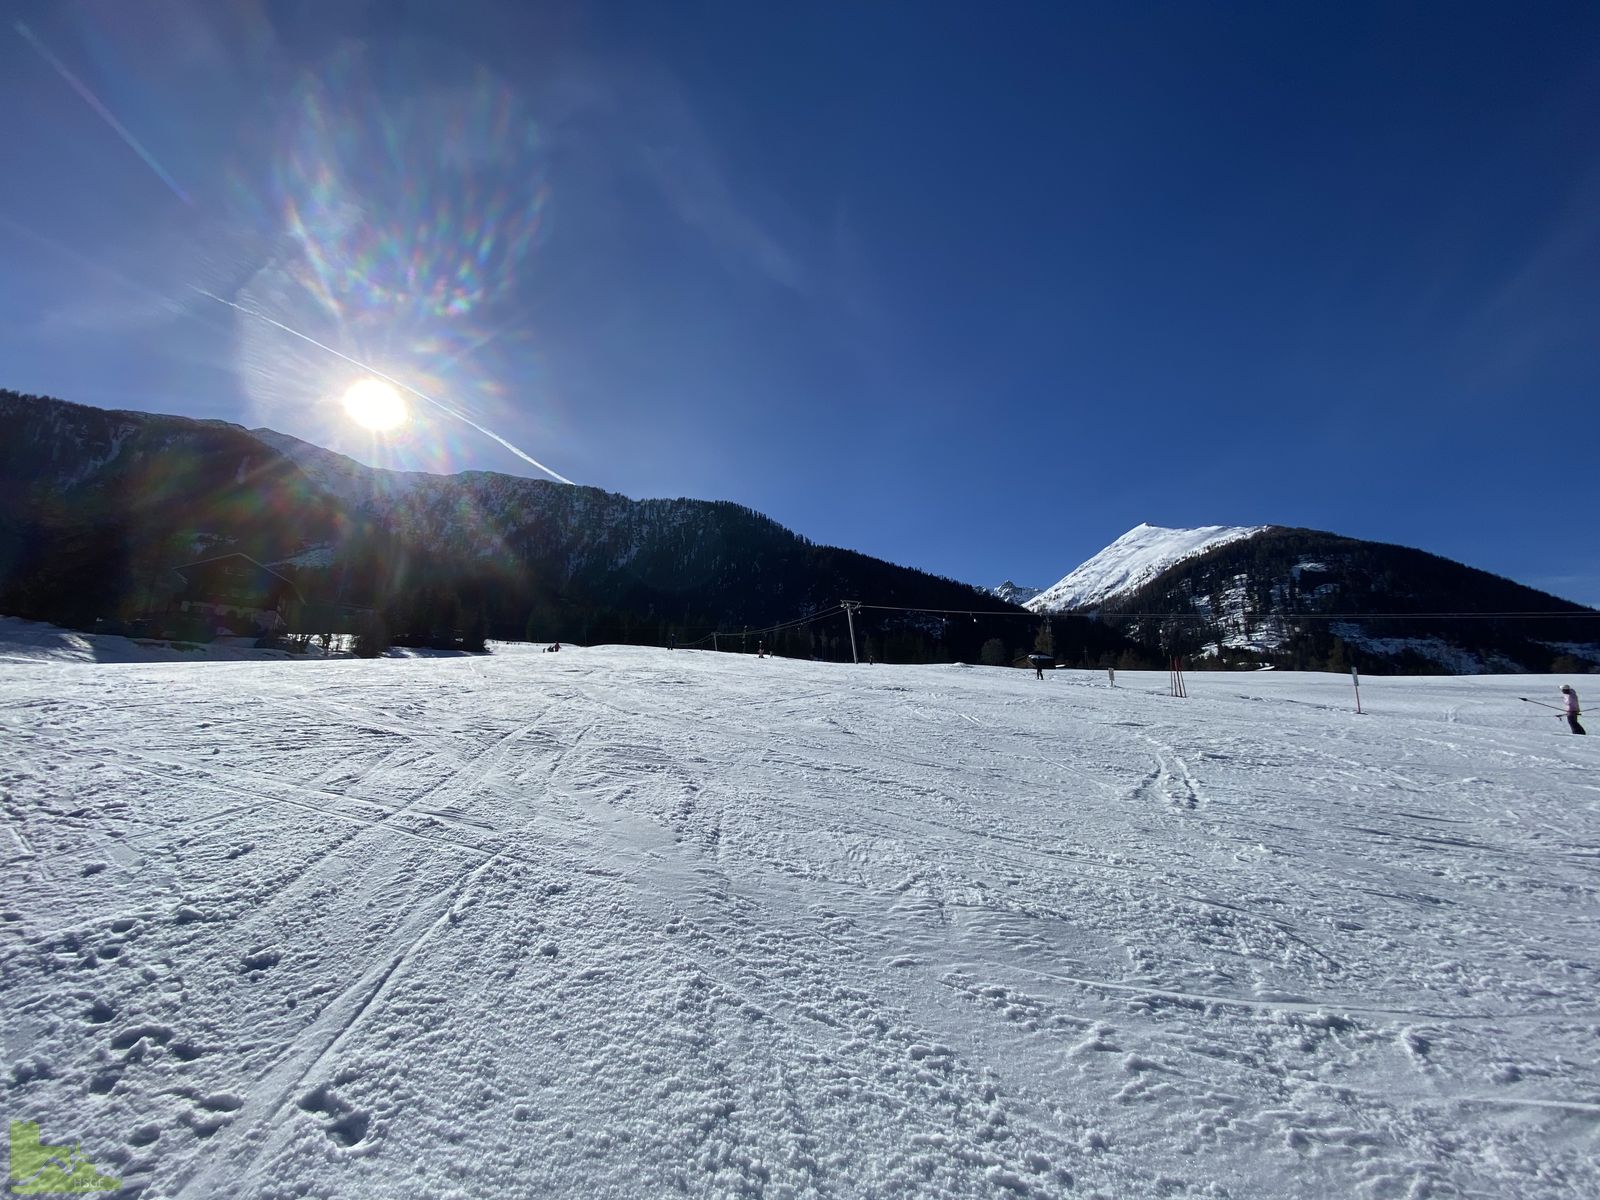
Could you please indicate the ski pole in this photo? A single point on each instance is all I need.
(1541, 704)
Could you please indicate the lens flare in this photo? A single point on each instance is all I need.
(376, 405)
(423, 206)
(447, 409)
(407, 189)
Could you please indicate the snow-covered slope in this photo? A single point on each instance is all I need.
(1135, 558)
(624, 922)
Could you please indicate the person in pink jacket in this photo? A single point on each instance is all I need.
(1570, 698)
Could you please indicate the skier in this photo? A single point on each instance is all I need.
(1572, 710)
(761, 649)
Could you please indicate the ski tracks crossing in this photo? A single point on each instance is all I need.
(706, 924)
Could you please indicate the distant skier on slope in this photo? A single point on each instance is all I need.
(1570, 698)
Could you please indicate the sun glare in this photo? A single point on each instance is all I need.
(376, 405)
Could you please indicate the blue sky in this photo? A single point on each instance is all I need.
(973, 288)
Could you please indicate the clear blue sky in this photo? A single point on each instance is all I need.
(973, 288)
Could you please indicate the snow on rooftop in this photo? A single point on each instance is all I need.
(316, 556)
(627, 922)
(1134, 559)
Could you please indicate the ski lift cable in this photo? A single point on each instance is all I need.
(1295, 616)
(1359, 616)
(1161, 616)
(769, 629)
(957, 612)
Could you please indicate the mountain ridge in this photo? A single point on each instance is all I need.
(97, 506)
(1308, 598)
(1135, 558)
(100, 506)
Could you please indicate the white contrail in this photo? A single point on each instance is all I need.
(104, 113)
(406, 387)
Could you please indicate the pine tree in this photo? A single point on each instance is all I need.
(1044, 642)
(372, 636)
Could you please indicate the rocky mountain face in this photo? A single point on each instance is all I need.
(1312, 600)
(1014, 593)
(97, 507)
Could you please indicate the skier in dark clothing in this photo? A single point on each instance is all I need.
(1570, 697)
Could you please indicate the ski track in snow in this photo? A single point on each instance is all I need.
(624, 922)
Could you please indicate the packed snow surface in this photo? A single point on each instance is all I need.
(1131, 561)
(630, 923)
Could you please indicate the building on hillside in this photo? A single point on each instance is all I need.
(234, 594)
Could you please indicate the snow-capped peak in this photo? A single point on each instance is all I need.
(1014, 593)
(1134, 559)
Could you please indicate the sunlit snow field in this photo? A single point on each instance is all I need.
(629, 922)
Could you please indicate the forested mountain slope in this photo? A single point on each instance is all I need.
(100, 506)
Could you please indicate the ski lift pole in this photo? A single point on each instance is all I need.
(1355, 678)
(850, 607)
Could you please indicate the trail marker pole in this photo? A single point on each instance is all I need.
(714, 645)
(1355, 678)
(850, 607)
(1176, 674)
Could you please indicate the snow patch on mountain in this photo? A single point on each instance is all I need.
(1131, 561)
(1014, 593)
(1452, 659)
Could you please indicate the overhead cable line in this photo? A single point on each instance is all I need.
(1375, 616)
(806, 620)
(1297, 616)
(1025, 614)
(959, 612)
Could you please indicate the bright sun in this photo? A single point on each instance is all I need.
(376, 405)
